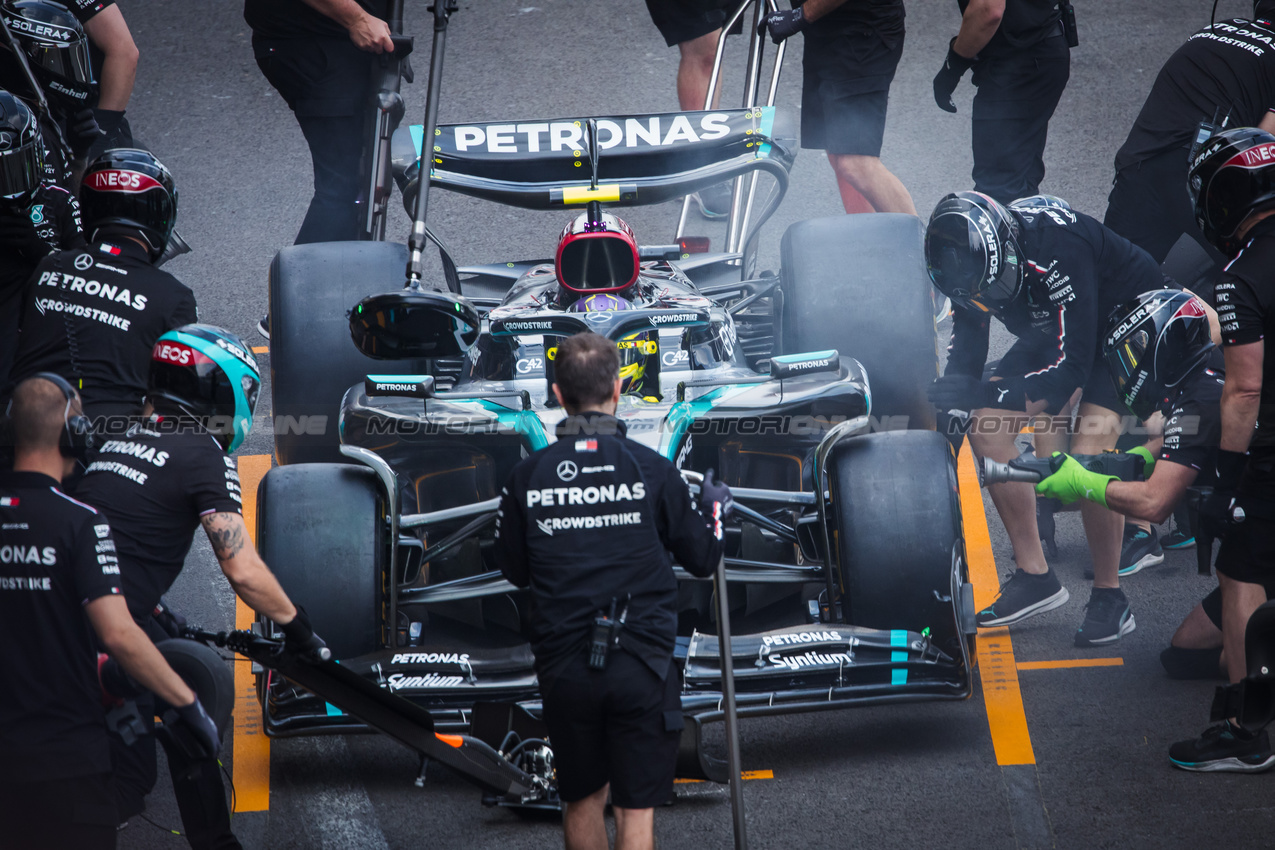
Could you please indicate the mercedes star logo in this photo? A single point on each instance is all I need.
(84, 262)
(567, 470)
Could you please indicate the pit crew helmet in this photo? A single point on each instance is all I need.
(597, 252)
(130, 188)
(1264, 9)
(21, 152)
(634, 348)
(57, 50)
(1232, 177)
(1153, 343)
(207, 373)
(972, 253)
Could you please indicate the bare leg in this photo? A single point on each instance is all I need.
(634, 829)
(1239, 600)
(1096, 432)
(869, 176)
(1015, 502)
(694, 70)
(1197, 631)
(583, 827)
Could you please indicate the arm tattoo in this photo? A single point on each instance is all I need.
(225, 534)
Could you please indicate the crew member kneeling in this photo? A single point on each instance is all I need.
(586, 524)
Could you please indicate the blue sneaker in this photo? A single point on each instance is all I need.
(1141, 549)
(1224, 747)
(1178, 539)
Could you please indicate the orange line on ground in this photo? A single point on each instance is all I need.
(1070, 662)
(998, 671)
(261, 349)
(747, 774)
(251, 747)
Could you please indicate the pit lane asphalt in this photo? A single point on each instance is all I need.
(922, 775)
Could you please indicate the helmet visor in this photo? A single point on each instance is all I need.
(1232, 191)
(964, 269)
(21, 171)
(1128, 364)
(68, 62)
(200, 385)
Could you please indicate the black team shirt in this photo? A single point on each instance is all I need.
(56, 556)
(154, 485)
(1245, 301)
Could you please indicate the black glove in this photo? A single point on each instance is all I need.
(18, 236)
(965, 393)
(713, 494)
(1217, 509)
(82, 131)
(782, 24)
(954, 67)
(115, 128)
(202, 729)
(173, 624)
(300, 639)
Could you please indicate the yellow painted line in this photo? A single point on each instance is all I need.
(251, 747)
(261, 349)
(747, 774)
(1070, 662)
(998, 671)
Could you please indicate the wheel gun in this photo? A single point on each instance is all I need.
(1029, 469)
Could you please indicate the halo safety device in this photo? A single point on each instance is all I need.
(1153, 343)
(972, 252)
(210, 374)
(130, 188)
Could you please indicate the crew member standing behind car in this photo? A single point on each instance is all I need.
(1224, 73)
(318, 55)
(1232, 182)
(586, 524)
(36, 217)
(169, 475)
(1021, 63)
(115, 65)
(93, 314)
(852, 51)
(1051, 275)
(59, 582)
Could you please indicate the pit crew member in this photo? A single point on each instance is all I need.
(1232, 182)
(1021, 64)
(59, 585)
(36, 217)
(851, 53)
(586, 524)
(1051, 275)
(1223, 73)
(93, 314)
(318, 54)
(169, 475)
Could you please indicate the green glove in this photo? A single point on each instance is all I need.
(1071, 481)
(1148, 460)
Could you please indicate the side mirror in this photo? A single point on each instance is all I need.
(414, 323)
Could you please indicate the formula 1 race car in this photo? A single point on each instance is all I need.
(803, 389)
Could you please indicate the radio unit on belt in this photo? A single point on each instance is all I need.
(606, 634)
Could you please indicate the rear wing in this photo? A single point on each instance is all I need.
(642, 159)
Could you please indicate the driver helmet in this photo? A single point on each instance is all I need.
(1232, 177)
(129, 188)
(207, 373)
(972, 252)
(1153, 343)
(634, 348)
(21, 152)
(596, 253)
(57, 50)
(1039, 203)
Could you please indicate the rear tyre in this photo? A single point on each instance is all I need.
(321, 528)
(857, 283)
(312, 358)
(897, 508)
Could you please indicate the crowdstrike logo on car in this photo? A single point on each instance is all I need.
(528, 326)
(119, 180)
(674, 317)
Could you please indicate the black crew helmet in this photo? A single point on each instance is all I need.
(1232, 177)
(21, 151)
(125, 188)
(57, 50)
(1153, 343)
(972, 253)
(207, 373)
(1264, 9)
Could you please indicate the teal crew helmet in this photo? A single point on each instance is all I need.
(210, 374)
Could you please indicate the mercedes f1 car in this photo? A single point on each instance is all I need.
(803, 388)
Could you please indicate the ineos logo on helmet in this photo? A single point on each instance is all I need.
(119, 180)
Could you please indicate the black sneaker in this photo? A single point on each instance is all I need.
(1024, 595)
(1107, 617)
(1224, 747)
(714, 202)
(1140, 549)
(1178, 539)
(263, 326)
